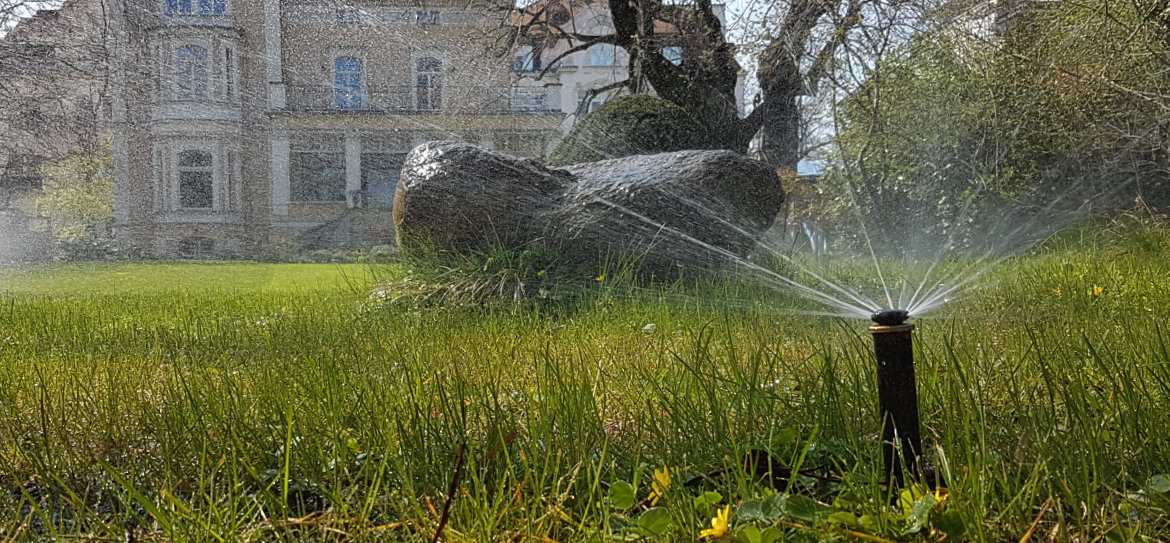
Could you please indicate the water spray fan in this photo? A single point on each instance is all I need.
(897, 393)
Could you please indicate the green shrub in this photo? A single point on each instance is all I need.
(78, 204)
(629, 125)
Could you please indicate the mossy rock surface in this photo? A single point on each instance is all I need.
(630, 125)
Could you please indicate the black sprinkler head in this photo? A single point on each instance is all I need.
(890, 317)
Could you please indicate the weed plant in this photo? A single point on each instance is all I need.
(253, 402)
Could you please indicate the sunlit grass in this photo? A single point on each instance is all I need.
(255, 402)
(117, 278)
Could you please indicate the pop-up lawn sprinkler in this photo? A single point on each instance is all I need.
(897, 393)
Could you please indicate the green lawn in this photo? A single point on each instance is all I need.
(118, 279)
(259, 402)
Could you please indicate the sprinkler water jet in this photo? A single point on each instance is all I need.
(897, 393)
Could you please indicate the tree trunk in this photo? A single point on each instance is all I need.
(704, 84)
(780, 124)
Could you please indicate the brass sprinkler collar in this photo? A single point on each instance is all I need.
(890, 321)
(886, 329)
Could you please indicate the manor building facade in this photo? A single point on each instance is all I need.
(240, 123)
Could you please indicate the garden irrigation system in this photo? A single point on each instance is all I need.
(897, 393)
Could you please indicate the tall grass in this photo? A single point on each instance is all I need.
(285, 402)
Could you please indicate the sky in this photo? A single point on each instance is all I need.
(12, 11)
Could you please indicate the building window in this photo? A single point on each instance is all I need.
(196, 7)
(317, 176)
(527, 60)
(428, 77)
(427, 17)
(195, 180)
(191, 73)
(347, 84)
(673, 53)
(196, 247)
(229, 72)
(380, 171)
(601, 54)
(529, 99)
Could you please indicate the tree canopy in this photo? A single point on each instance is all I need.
(800, 41)
(1065, 101)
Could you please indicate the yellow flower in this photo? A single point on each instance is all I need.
(1057, 292)
(940, 496)
(660, 485)
(1096, 290)
(601, 277)
(718, 524)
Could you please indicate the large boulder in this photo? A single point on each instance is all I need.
(638, 124)
(457, 196)
(686, 208)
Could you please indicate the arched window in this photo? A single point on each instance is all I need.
(195, 180)
(347, 84)
(428, 77)
(192, 73)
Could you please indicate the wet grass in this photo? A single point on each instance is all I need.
(249, 402)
